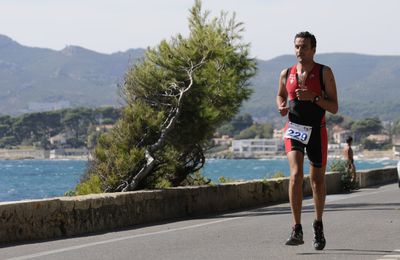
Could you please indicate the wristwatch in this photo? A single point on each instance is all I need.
(316, 99)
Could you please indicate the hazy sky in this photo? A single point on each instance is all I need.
(360, 26)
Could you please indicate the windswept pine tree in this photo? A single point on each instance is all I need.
(176, 97)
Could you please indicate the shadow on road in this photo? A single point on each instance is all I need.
(362, 206)
(281, 210)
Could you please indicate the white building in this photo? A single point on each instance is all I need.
(59, 139)
(278, 133)
(396, 150)
(379, 138)
(70, 153)
(224, 140)
(257, 147)
(341, 136)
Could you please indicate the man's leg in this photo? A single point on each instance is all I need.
(296, 159)
(317, 178)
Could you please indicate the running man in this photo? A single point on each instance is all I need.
(311, 90)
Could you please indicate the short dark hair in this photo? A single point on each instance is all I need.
(349, 139)
(307, 35)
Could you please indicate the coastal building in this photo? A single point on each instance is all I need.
(18, 154)
(69, 153)
(278, 134)
(341, 136)
(58, 140)
(257, 147)
(104, 128)
(223, 140)
(379, 138)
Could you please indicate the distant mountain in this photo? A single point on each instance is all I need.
(39, 79)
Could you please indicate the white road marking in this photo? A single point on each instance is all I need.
(336, 197)
(391, 257)
(50, 252)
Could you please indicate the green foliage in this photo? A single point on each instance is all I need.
(214, 63)
(243, 127)
(247, 133)
(343, 121)
(337, 166)
(366, 126)
(236, 125)
(372, 145)
(332, 119)
(278, 174)
(70, 193)
(162, 184)
(196, 179)
(242, 122)
(43, 143)
(92, 139)
(369, 144)
(256, 131)
(4, 130)
(107, 121)
(396, 127)
(92, 185)
(76, 142)
(36, 128)
(8, 141)
(226, 129)
(347, 184)
(347, 123)
(346, 178)
(223, 179)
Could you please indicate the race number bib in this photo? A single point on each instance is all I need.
(298, 132)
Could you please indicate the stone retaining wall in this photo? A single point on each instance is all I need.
(68, 216)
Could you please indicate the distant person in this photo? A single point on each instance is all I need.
(306, 91)
(349, 157)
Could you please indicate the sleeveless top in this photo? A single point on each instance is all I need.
(300, 111)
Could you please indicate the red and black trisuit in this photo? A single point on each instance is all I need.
(307, 113)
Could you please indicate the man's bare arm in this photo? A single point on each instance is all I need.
(329, 100)
(281, 97)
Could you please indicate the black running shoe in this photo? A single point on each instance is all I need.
(319, 241)
(296, 237)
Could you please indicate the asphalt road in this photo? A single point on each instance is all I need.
(364, 224)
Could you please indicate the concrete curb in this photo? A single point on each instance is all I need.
(69, 216)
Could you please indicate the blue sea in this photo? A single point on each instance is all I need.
(36, 179)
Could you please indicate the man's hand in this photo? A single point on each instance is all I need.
(283, 109)
(304, 94)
